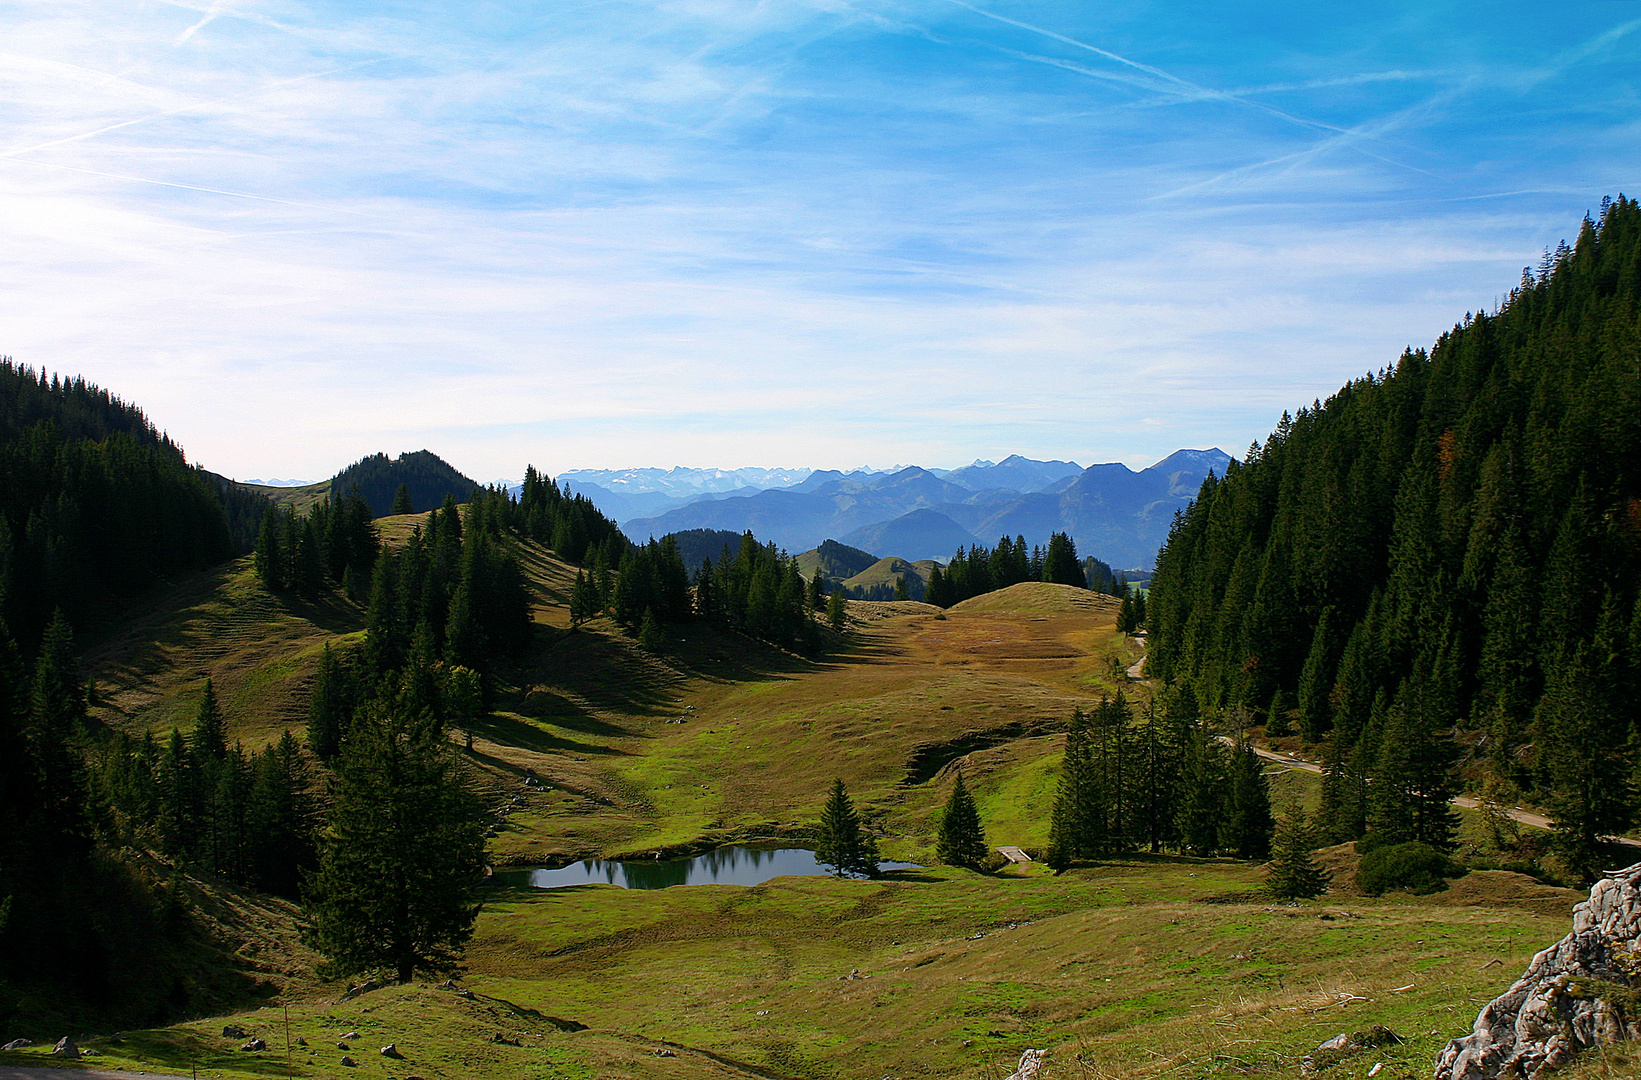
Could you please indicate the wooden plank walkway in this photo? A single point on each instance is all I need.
(1013, 854)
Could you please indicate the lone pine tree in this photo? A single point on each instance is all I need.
(962, 840)
(842, 842)
(402, 854)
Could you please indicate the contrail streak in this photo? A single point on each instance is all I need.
(186, 187)
(184, 108)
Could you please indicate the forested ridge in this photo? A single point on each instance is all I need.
(97, 502)
(425, 477)
(1436, 571)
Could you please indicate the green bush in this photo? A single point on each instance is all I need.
(1417, 867)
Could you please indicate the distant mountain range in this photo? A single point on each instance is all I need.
(1111, 511)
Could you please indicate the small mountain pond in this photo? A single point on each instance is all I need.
(739, 864)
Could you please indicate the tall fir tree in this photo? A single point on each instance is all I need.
(962, 839)
(402, 855)
(1294, 874)
(842, 842)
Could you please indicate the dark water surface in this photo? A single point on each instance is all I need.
(736, 865)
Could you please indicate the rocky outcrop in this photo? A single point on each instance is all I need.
(1583, 990)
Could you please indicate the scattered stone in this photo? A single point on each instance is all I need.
(348, 1035)
(65, 1048)
(504, 1040)
(1377, 1067)
(362, 988)
(233, 1031)
(343, 1046)
(1343, 1046)
(664, 1052)
(977, 937)
(466, 993)
(17, 1044)
(1572, 995)
(348, 1063)
(255, 1045)
(391, 1050)
(1030, 1063)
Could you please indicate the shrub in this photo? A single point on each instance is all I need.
(1417, 867)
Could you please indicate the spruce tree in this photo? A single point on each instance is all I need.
(1060, 563)
(402, 855)
(1293, 873)
(268, 560)
(330, 703)
(401, 501)
(56, 716)
(1202, 792)
(1247, 822)
(837, 612)
(1581, 759)
(901, 591)
(649, 632)
(279, 819)
(1071, 820)
(841, 842)
(210, 739)
(962, 839)
(1316, 680)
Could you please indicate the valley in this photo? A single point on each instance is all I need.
(1135, 966)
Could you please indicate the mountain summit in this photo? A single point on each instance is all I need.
(1113, 512)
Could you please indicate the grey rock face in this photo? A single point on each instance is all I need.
(65, 1048)
(1568, 999)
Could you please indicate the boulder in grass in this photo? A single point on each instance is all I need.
(65, 1048)
(17, 1044)
(255, 1046)
(233, 1031)
(391, 1050)
(348, 1063)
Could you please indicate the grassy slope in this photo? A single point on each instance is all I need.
(1144, 967)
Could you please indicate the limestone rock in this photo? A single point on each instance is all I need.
(348, 1063)
(1030, 1063)
(255, 1046)
(391, 1050)
(65, 1048)
(233, 1031)
(17, 1044)
(1569, 998)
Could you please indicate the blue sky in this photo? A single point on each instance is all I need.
(607, 234)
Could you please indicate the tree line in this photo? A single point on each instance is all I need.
(1169, 783)
(334, 543)
(977, 570)
(757, 590)
(1443, 560)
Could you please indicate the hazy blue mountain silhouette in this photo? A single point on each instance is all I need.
(1112, 511)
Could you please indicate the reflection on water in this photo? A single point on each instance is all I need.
(737, 865)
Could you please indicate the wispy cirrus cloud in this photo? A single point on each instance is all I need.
(692, 231)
